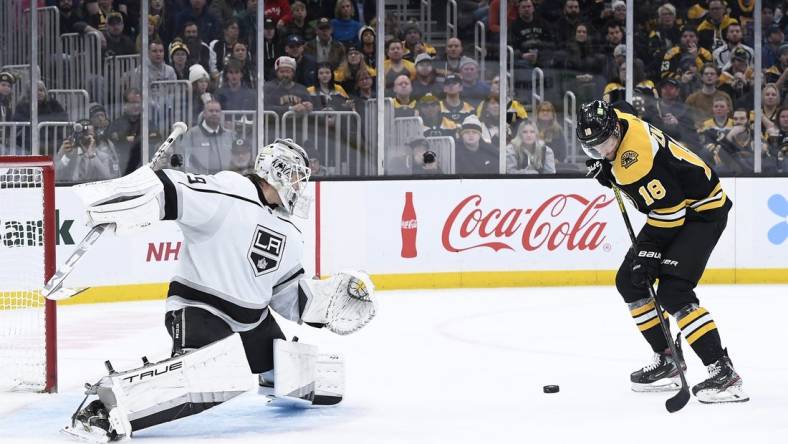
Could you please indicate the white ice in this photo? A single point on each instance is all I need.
(456, 366)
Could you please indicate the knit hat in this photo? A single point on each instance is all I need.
(428, 98)
(94, 108)
(423, 57)
(471, 123)
(620, 50)
(197, 72)
(363, 30)
(285, 61)
(178, 45)
(6, 76)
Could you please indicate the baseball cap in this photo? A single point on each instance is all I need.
(471, 123)
(285, 61)
(294, 39)
(423, 57)
(670, 81)
(452, 78)
(427, 99)
(323, 22)
(114, 17)
(240, 146)
(6, 76)
(269, 24)
(741, 54)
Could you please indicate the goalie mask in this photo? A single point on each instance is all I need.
(284, 165)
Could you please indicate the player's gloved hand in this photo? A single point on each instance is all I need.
(645, 266)
(600, 170)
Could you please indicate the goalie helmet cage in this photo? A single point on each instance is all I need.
(28, 321)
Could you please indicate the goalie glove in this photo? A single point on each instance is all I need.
(343, 302)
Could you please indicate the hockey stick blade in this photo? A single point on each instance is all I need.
(678, 401)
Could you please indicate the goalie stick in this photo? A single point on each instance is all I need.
(680, 399)
(54, 287)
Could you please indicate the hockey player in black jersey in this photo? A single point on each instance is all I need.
(687, 211)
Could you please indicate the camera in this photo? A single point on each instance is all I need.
(429, 157)
(79, 135)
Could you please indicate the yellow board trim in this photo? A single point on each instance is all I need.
(640, 310)
(649, 324)
(700, 332)
(665, 224)
(683, 322)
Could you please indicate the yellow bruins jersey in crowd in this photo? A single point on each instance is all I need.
(668, 182)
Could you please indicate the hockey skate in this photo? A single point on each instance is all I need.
(662, 374)
(723, 385)
(94, 423)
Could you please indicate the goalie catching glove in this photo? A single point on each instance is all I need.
(343, 303)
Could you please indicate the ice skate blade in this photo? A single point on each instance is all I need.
(663, 385)
(729, 395)
(81, 434)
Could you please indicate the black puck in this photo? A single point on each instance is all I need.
(550, 389)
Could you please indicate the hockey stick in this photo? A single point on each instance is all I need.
(680, 399)
(54, 288)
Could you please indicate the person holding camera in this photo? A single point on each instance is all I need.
(425, 161)
(83, 157)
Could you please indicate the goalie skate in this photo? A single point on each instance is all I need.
(94, 424)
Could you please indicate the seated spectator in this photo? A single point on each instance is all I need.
(326, 95)
(206, 147)
(737, 80)
(434, 123)
(665, 36)
(714, 130)
(550, 130)
(125, 132)
(49, 110)
(489, 113)
(228, 9)
(738, 144)
(778, 143)
(234, 95)
(83, 157)
(585, 63)
(345, 27)
(566, 25)
(413, 45)
(179, 56)
(248, 70)
(201, 92)
(271, 49)
(95, 13)
(733, 40)
(778, 72)
(222, 49)
(348, 70)
(306, 64)
(688, 47)
(207, 22)
(404, 105)
(615, 91)
(98, 119)
(425, 161)
(453, 106)
(700, 102)
(154, 25)
(674, 117)
(771, 103)
(364, 91)
(688, 77)
(613, 38)
(69, 18)
(529, 35)
(474, 90)
(118, 43)
(7, 81)
(158, 70)
(284, 94)
(426, 80)
(527, 153)
(449, 62)
(199, 51)
(515, 110)
(299, 24)
(771, 49)
(395, 65)
(711, 29)
(279, 11)
(366, 36)
(241, 157)
(323, 47)
(161, 22)
(471, 154)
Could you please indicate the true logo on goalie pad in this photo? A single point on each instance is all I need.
(266, 250)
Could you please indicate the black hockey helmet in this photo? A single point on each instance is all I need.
(596, 122)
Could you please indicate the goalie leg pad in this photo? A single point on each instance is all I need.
(303, 376)
(174, 388)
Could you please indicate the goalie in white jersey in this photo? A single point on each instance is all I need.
(241, 257)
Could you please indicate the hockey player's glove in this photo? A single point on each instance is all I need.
(600, 170)
(645, 266)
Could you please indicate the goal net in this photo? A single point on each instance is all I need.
(27, 258)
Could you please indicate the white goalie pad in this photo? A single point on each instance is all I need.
(304, 377)
(343, 303)
(130, 202)
(179, 386)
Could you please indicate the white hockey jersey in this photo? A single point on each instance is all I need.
(239, 255)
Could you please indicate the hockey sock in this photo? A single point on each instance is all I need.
(644, 313)
(701, 333)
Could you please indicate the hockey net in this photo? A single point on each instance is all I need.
(28, 359)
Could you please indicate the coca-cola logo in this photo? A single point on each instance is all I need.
(410, 223)
(552, 225)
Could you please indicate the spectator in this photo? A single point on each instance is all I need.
(125, 131)
(284, 94)
(711, 29)
(299, 24)
(199, 51)
(778, 142)
(326, 95)
(424, 160)
(474, 90)
(713, 131)
(701, 101)
(733, 37)
(434, 123)
(395, 65)
(305, 73)
(158, 70)
(207, 22)
(154, 25)
(738, 143)
(7, 81)
(613, 38)
(201, 94)
(368, 49)
(279, 11)
(161, 20)
(771, 104)
(228, 9)
(584, 63)
(688, 77)
(323, 47)
(98, 119)
(413, 45)
(241, 158)
(234, 95)
(674, 117)
(426, 80)
(348, 70)
(179, 57)
(205, 148)
(489, 113)
(774, 38)
(346, 29)
(528, 154)
(364, 90)
(453, 106)
(248, 71)
(665, 36)
(614, 91)
(550, 131)
(96, 12)
(49, 110)
(528, 36)
(471, 154)
(118, 43)
(450, 62)
(494, 14)
(247, 21)
(688, 47)
(83, 157)
(404, 105)
(778, 72)
(221, 49)
(737, 80)
(69, 18)
(515, 110)
(271, 49)
(566, 25)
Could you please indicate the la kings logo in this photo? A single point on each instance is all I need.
(265, 253)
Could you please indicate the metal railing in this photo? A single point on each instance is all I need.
(570, 123)
(171, 101)
(537, 88)
(81, 61)
(443, 147)
(13, 138)
(74, 101)
(52, 134)
(510, 67)
(480, 46)
(115, 69)
(334, 135)
(451, 19)
(425, 18)
(243, 123)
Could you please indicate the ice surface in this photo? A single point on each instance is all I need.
(456, 366)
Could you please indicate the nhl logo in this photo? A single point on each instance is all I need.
(265, 253)
(628, 158)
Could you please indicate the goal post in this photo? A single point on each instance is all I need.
(28, 321)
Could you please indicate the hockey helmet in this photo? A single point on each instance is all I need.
(285, 166)
(596, 122)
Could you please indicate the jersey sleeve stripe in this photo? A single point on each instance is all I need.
(668, 217)
(672, 209)
(170, 196)
(665, 224)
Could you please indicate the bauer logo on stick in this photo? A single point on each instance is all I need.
(266, 250)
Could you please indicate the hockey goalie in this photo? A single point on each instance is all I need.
(241, 258)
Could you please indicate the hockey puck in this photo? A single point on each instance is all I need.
(550, 389)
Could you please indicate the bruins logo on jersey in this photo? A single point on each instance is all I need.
(266, 250)
(628, 158)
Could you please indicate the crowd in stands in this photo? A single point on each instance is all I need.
(693, 77)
